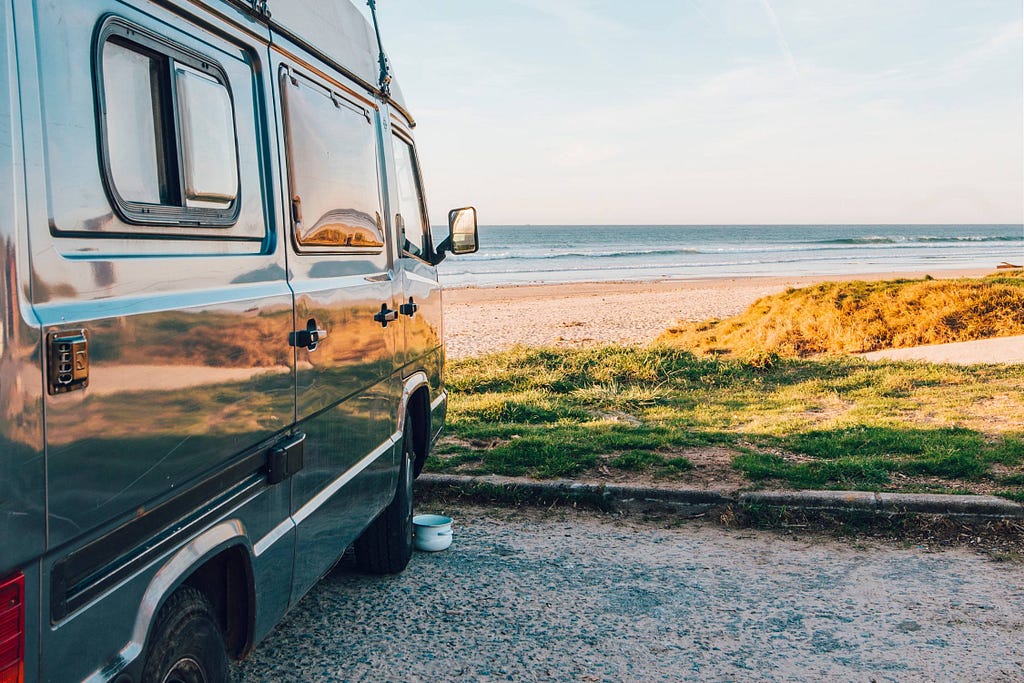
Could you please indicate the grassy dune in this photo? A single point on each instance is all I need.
(854, 317)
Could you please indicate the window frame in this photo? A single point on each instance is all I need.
(290, 77)
(133, 37)
(428, 239)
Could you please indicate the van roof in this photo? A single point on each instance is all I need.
(337, 31)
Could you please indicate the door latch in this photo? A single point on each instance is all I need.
(308, 338)
(286, 459)
(68, 361)
(386, 315)
(410, 308)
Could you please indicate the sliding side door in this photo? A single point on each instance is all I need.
(340, 270)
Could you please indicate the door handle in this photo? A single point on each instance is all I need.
(386, 315)
(410, 308)
(308, 338)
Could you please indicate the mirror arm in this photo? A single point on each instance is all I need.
(441, 249)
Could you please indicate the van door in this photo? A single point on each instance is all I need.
(420, 293)
(341, 273)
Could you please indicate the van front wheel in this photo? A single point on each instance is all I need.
(385, 547)
(187, 644)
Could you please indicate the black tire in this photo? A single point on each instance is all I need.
(385, 547)
(186, 645)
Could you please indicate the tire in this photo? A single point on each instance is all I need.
(385, 547)
(187, 645)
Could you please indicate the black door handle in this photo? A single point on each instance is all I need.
(410, 308)
(386, 315)
(308, 338)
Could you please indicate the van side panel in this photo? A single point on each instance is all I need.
(22, 531)
(190, 376)
(188, 338)
(22, 494)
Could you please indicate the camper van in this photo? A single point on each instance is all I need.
(221, 350)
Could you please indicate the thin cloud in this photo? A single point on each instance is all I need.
(773, 19)
(1006, 37)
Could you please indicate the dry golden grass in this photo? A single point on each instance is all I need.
(856, 317)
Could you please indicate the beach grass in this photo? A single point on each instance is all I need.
(835, 422)
(856, 317)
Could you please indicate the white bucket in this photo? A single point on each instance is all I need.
(432, 532)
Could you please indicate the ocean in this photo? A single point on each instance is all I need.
(523, 254)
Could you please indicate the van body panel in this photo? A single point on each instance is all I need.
(22, 483)
(347, 388)
(339, 33)
(78, 201)
(424, 328)
(22, 471)
(116, 645)
(190, 363)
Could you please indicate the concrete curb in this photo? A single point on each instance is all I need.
(698, 501)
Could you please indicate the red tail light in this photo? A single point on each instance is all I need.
(12, 629)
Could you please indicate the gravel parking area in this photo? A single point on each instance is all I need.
(577, 596)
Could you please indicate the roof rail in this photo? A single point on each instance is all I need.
(257, 8)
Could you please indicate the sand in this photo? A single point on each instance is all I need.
(999, 350)
(481, 320)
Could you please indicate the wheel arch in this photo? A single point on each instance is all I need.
(217, 561)
(226, 579)
(416, 404)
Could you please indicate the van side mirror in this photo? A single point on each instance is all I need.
(462, 234)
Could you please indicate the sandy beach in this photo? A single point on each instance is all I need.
(481, 320)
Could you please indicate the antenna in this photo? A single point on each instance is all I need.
(385, 67)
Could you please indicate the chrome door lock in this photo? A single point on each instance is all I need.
(68, 361)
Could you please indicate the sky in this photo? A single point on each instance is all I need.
(715, 111)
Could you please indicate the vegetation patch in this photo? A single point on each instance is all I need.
(837, 422)
(856, 317)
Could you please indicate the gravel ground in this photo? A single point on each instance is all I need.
(576, 596)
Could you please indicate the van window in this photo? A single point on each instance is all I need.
(332, 170)
(410, 200)
(168, 132)
(135, 140)
(208, 141)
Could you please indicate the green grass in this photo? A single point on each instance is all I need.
(833, 423)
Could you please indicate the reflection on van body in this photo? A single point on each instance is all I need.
(221, 361)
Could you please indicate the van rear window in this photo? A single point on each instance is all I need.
(167, 126)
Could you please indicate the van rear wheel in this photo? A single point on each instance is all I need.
(187, 645)
(385, 547)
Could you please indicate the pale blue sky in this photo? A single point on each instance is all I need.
(716, 111)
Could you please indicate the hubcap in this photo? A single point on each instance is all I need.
(186, 670)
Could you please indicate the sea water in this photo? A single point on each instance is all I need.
(521, 254)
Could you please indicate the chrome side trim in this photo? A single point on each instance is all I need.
(325, 493)
(275, 535)
(184, 560)
(439, 401)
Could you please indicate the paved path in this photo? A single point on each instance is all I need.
(578, 597)
(999, 350)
